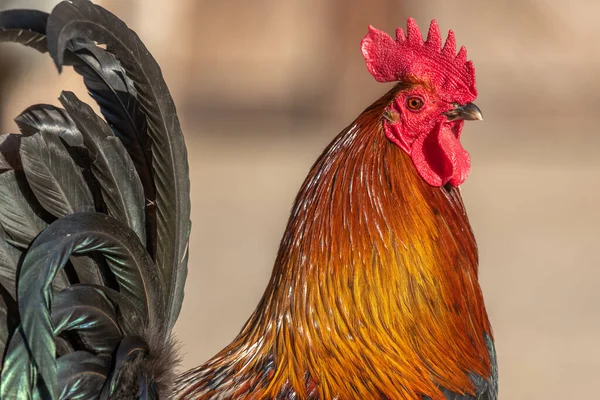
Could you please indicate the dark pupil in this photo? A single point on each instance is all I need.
(414, 103)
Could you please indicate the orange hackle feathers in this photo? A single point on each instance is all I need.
(374, 292)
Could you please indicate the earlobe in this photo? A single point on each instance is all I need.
(394, 133)
(391, 116)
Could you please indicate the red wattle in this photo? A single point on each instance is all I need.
(461, 160)
(440, 158)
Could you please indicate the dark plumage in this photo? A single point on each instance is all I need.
(94, 219)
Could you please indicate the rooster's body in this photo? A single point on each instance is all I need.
(374, 294)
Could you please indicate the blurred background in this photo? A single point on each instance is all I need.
(263, 86)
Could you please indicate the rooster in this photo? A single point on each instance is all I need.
(374, 292)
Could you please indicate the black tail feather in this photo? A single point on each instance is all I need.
(82, 375)
(107, 201)
(56, 181)
(9, 258)
(50, 119)
(82, 19)
(27, 27)
(21, 214)
(121, 188)
(108, 84)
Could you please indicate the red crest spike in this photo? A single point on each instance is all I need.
(408, 58)
(400, 36)
(450, 46)
(434, 38)
(414, 33)
(461, 57)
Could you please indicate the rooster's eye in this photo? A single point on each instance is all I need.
(414, 103)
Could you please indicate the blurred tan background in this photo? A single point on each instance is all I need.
(262, 86)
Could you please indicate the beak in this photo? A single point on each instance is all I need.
(468, 112)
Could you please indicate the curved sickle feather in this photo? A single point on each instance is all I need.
(137, 277)
(91, 314)
(81, 375)
(76, 18)
(120, 185)
(27, 27)
(122, 191)
(104, 78)
(128, 317)
(108, 84)
(70, 313)
(81, 19)
(18, 374)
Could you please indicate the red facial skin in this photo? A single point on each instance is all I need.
(426, 134)
(441, 79)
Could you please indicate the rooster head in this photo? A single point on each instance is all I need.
(433, 99)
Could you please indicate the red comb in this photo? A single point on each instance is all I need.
(410, 56)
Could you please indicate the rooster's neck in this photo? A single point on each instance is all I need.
(374, 288)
